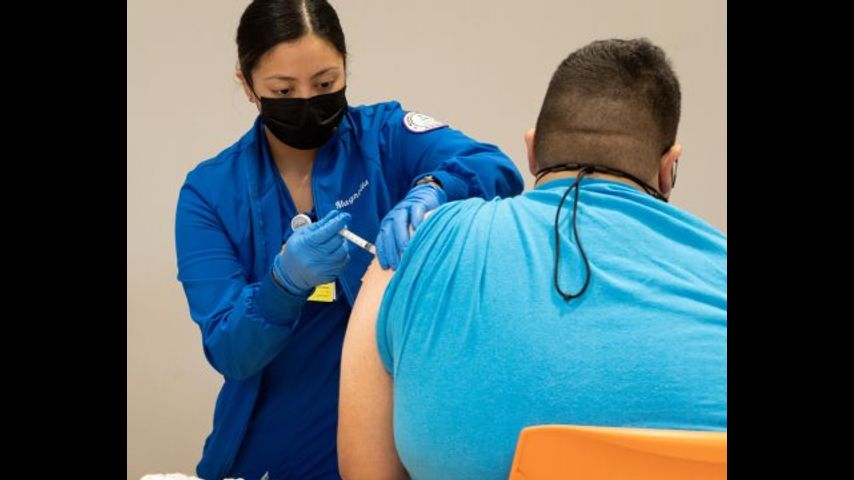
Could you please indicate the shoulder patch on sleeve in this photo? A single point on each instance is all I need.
(419, 123)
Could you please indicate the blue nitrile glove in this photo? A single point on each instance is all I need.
(394, 229)
(313, 255)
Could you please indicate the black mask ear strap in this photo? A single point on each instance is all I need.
(254, 93)
(558, 168)
(583, 170)
(673, 172)
(649, 189)
(569, 296)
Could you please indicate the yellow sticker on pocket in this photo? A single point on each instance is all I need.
(324, 292)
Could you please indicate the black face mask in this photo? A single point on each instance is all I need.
(583, 170)
(304, 123)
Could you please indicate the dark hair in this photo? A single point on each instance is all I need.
(267, 23)
(613, 103)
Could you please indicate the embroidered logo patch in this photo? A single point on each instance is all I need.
(419, 123)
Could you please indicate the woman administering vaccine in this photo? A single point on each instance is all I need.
(272, 301)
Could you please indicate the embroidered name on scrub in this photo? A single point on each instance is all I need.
(349, 201)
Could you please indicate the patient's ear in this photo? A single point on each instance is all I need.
(667, 169)
(529, 146)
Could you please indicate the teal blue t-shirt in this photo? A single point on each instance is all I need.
(480, 344)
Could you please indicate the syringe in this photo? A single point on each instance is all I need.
(303, 220)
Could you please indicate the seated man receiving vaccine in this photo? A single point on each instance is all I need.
(589, 300)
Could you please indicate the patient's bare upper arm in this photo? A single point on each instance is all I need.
(365, 412)
(365, 431)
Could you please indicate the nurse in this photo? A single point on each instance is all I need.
(272, 303)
